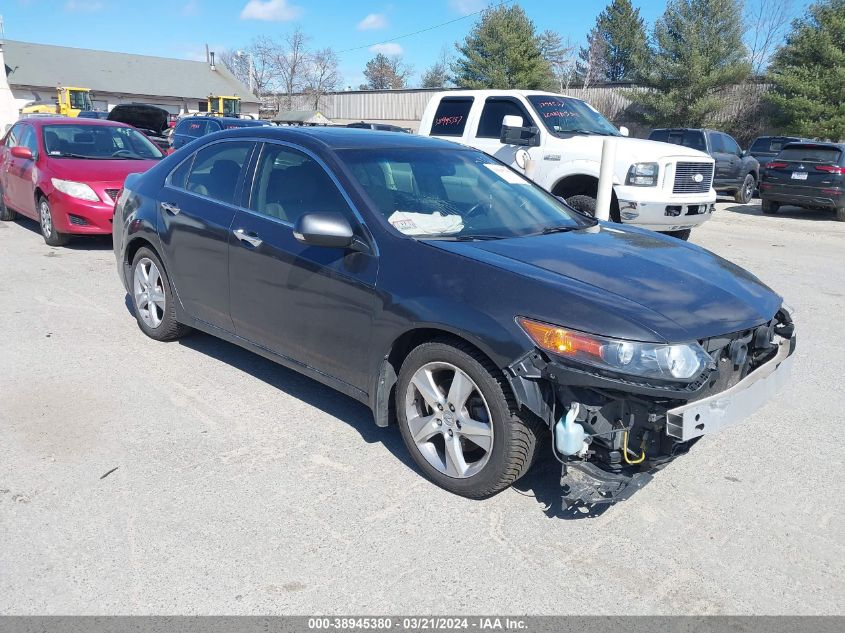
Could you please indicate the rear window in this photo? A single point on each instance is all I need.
(688, 138)
(195, 128)
(769, 144)
(811, 153)
(451, 116)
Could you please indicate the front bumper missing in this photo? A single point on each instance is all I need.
(732, 406)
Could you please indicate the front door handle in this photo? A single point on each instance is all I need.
(249, 238)
(171, 208)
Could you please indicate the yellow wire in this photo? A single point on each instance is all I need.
(625, 451)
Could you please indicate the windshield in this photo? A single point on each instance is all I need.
(563, 115)
(80, 100)
(456, 194)
(231, 107)
(772, 144)
(98, 141)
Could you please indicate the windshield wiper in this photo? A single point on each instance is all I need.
(470, 237)
(559, 229)
(70, 155)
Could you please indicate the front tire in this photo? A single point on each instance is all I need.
(683, 234)
(584, 204)
(152, 298)
(746, 192)
(459, 421)
(48, 228)
(840, 214)
(769, 207)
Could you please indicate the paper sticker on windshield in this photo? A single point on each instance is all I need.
(505, 174)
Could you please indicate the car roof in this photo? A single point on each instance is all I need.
(343, 138)
(65, 120)
(229, 120)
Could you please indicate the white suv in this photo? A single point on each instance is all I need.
(559, 144)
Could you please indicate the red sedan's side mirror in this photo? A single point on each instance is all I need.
(19, 151)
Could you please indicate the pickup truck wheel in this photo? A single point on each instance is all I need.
(6, 214)
(746, 192)
(584, 204)
(459, 421)
(769, 207)
(840, 214)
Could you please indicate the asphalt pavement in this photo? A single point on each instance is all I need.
(194, 477)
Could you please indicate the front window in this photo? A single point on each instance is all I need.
(231, 107)
(564, 115)
(456, 194)
(80, 100)
(98, 141)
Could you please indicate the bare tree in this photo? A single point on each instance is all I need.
(437, 75)
(321, 75)
(592, 60)
(290, 61)
(766, 22)
(265, 77)
(561, 57)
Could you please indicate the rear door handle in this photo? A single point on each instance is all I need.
(249, 238)
(171, 208)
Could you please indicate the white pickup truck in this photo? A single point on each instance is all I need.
(557, 142)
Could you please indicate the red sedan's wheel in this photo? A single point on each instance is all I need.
(48, 228)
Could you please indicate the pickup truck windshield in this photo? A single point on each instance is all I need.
(562, 115)
(456, 194)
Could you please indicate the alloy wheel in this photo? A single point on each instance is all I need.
(449, 420)
(46, 218)
(148, 289)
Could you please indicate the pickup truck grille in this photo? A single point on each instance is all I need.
(687, 177)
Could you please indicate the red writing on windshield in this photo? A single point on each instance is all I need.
(558, 113)
(448, 120)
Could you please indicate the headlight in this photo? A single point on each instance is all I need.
(75, 189)
(679, 362)
(642, 174)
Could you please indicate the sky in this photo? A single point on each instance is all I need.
(357, 29)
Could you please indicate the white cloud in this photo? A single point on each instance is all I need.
(84, 6)
(270, 11)
(373, 22)
(465, 7)
(389, 48)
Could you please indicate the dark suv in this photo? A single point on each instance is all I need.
(192, 127)
(809, 175)
(737, 173)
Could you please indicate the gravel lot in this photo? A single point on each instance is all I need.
(243, 488)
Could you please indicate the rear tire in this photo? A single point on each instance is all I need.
(744, 194)
(769, 207)
(152, 298)
(6, 214)
(683, 234)
(48, 228)
(468, 440)
(840, 214)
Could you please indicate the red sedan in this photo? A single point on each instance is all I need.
(67, 172)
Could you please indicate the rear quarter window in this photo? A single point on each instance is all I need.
(450, 119)
(192, 128)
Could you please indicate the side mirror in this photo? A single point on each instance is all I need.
(513, 132)
(331, 230)
(19, 151)
(624, 131)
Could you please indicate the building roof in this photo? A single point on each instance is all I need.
(29, 64)
(311, 117)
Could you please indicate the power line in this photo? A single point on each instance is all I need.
(430, 28)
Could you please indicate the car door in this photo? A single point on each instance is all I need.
(20, 173)
(310, 304)
(6, 183)
(734, 157)
(721, 176)
(197, 207)
(489, 130)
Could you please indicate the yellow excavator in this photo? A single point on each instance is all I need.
(70, 101)
(224, 106)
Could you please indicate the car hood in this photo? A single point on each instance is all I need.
(141, 116)
(631, 150)
(676, 290)
(97, 171)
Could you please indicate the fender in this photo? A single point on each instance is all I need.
(580, 167)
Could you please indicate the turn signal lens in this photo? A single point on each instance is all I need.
(559, 341)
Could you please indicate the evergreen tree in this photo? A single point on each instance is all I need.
(698, 52)
(625, 41)
(808, 73)
(383, 72)
(502, 51)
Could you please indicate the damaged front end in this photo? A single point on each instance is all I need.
(613, 431)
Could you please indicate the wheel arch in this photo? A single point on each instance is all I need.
(384, 392)
(585, 184)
